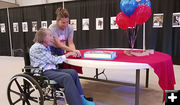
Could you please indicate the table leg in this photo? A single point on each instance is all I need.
(147, 78)
(137, 87)
(96, 73)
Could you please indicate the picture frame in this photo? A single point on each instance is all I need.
(113, 24)
(176, 20)
(15, 27)
(44, 24)
(24, 26)
(3, 27)
(34, 26)
(158, 20)
(99, 24)
(73, 23)
(85, 24)
(53, 21)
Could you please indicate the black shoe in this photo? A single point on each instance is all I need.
(88, 98)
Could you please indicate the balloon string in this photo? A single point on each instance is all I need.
(132, 35)
(136, 31)
(128, 34)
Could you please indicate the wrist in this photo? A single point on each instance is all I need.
(64, 57)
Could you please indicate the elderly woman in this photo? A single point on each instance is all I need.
(40, 56)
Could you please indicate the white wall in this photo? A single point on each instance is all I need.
(10, 1)
(4, 4)
(53, 1)
(30, 2)
(33, 2)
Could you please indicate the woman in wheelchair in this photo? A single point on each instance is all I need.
(40, 56)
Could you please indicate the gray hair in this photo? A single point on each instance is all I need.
(40, 35)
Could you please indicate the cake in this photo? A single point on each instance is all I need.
(107, 55)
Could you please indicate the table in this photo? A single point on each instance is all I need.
(161, 63)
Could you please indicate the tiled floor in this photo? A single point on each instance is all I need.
(103, 93)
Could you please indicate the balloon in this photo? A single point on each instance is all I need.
(141, 14)
(141, 2)
(124, 21)
(128, 6)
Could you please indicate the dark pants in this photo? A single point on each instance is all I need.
(56, 51)
(67, 78)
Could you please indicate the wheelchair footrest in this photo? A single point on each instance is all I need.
(60, 93)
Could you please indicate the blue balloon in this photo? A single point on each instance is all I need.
(128, 6)
(147, 2)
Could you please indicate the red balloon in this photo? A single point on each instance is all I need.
(141, 14)
(123, 21)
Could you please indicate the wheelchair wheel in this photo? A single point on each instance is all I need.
(24, 90)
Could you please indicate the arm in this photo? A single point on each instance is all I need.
(40, 56)
(44, 56)
(61, 45)
(70, 48)
(71, 44)
(57, 42)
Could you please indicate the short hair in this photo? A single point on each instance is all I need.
(40, 35)
(62, 13)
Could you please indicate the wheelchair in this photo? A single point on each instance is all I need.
(32, 88)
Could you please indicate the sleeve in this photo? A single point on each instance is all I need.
(43, 55)
(53, 30)
(54, 33)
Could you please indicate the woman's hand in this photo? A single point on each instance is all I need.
(78, 53)
(74, 54)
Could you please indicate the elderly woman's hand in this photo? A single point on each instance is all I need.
(78, 53)
(74, 54)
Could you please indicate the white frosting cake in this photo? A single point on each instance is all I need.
(107, 55)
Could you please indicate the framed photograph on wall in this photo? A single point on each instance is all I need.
(43, 24)
(3, 27)
(15, 27)
(24, 26)
(73, 23)
(99, 24)
(113, 23)
(158, 20)
(53, 21)
(85, 24)
(176, 20)
(34, 26)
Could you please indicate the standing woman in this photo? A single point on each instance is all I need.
(62, 33)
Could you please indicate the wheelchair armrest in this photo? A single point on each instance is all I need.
(29, 68)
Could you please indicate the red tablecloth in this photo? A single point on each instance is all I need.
(160, 62)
